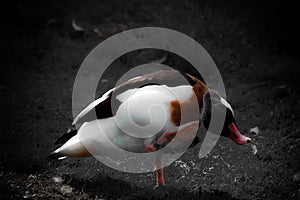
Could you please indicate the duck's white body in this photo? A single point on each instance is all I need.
(145, 114)
(146, 118)
(96, 137)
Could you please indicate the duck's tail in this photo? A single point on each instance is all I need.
(72, 148)
(57, 156)
(71, 132)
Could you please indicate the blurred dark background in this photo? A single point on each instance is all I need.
(254, 43)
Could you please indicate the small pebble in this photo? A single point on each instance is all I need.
(66, 189)
(57, 179)
(254, 130)
(296, 177)
(254, 149)
(76, 27)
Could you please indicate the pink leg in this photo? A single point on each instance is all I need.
(160, 181)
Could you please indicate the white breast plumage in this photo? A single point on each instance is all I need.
(146, 111)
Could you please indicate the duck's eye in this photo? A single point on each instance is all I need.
(225, 103)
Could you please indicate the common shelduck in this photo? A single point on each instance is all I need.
(133, 99)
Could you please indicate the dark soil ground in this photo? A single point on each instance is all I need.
(254, 44)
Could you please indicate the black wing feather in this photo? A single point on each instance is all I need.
(170, 78)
